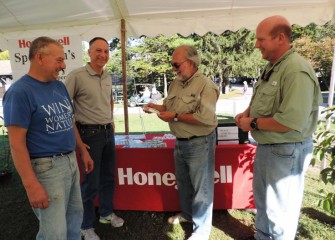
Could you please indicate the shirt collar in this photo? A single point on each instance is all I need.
(270, 68)
(188, 81)
(92, 72)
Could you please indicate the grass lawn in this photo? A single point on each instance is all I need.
(149, 123)
(19, 223)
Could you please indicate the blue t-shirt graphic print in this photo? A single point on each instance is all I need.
(45, 110)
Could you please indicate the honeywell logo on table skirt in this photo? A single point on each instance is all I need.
(126, 176)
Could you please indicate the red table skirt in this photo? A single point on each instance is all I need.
(145, 178)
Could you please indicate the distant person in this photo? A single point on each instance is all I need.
(189, 109)
(245, 89)
(115, 95)
(90, 87)
(154, 90)
(254, 81)
(155, 95)
(145, 95)
(282, 117)
(39, 117)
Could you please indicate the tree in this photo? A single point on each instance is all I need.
(150, 59)
(4, 55)
(319, 53)
(324, 149)
(231, 54)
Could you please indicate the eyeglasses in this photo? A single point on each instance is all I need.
(177, 65)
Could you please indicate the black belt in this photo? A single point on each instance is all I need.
(94, 126)
(187, 139)
(56, 155)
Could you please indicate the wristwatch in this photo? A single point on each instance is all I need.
(253, 124)
(176, 117)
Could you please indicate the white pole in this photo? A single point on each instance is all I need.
(330, 100)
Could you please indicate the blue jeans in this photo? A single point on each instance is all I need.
(60, 177)
(194, 164)
(101, 179)
(278, 186)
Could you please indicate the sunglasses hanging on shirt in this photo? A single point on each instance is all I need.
(266, 74)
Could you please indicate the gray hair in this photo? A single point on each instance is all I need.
(191, 54)
(40, 44)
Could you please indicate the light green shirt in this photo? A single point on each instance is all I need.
(198, 95)
(291, 96)
(91, 94)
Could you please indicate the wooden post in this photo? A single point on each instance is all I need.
(124, 76)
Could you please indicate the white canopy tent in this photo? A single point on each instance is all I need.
(133, 18)
(22, 18)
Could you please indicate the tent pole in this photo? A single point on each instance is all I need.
(124, 76)
(330, 102)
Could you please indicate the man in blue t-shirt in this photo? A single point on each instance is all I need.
(39, 117)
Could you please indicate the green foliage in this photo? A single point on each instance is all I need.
(319, 53)
(114, 44)
(231, 54)
(313, 31)
(4, 55)
(324, 150)
(316, 43)
(86, 58)
(299, 32)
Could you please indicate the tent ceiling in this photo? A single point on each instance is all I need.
(89, 18)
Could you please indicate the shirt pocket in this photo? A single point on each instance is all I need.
(284, 150)
(189, 104)
(170, 101)
(265, 100)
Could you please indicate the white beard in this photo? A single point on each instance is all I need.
(179, 77)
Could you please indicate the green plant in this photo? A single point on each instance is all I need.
(324, 150)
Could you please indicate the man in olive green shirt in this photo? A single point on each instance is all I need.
(282, 117)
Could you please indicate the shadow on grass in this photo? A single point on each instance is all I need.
(143, 225)
(16, 216)
(304, 228)
(231, 226)
(319, 216)
(153, 225)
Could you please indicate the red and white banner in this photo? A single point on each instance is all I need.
(145, 178)
(19, 54)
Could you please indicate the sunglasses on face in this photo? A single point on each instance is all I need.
(177, 65)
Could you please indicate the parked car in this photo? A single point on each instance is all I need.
(240, 80)
(142, 97)
(232, 79)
